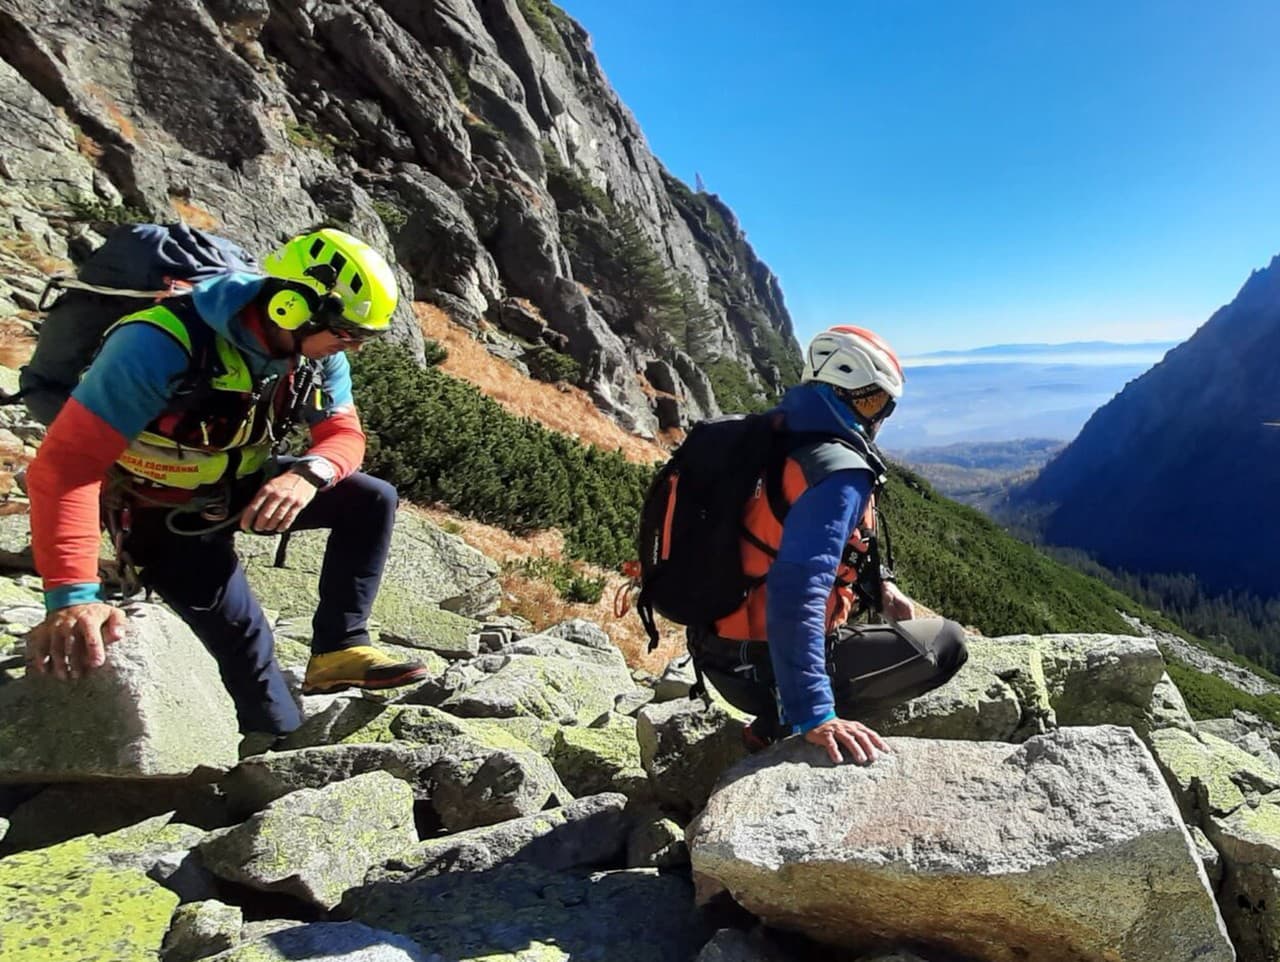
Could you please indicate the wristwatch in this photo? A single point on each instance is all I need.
(317, 471)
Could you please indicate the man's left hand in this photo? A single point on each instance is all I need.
(895, 604)
(277, 504)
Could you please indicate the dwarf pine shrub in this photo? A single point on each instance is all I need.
(574, 586)
(438, 439)
(547, 364)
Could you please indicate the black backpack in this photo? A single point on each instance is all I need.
(691, 522)
(137, 265)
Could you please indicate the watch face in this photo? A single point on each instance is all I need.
(318, 473)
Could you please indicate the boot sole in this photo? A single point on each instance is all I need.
(332, 688)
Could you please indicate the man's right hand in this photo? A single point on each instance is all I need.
(73, 640)
(863, 745)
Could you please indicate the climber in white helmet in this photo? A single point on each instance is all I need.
(788, 654)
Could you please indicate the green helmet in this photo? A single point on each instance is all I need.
(354, 285)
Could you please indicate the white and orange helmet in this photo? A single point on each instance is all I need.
(852, 358)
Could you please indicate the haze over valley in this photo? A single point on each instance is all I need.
(1012, 392)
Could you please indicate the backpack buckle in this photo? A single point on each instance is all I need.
(53, 289)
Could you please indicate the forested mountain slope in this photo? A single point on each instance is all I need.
(1178, 473)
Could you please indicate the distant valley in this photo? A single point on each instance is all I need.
(980, 473)
(1011, 392)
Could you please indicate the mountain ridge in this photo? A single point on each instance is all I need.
(1176, 447)
(1041, 347)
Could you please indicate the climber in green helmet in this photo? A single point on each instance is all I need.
(178, 413)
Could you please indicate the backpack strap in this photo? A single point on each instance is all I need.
(162, 318)
(67, 282)
(818, 456)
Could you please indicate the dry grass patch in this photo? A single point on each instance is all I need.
(17, 344)
(497, 543)
(192, 214)
(112, 110)
(566, 409)
(25, 249)
(540, 603)
(87, 147)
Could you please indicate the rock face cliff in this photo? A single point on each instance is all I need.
(1178, 473)
(476, 139)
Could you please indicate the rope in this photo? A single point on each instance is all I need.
(121, 484)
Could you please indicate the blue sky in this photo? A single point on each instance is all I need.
(958, 174)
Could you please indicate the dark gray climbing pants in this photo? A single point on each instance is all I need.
(872, 668)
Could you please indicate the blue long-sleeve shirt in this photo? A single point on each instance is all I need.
(801, 578)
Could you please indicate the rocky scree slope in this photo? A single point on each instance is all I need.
(1178, 472)
(532, 798)
(476, 139)
(535, 799)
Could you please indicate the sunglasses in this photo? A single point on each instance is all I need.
(885, 409)
(330, 318)
(351, 335)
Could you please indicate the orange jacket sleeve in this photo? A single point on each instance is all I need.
(340, 440)
(64, 483)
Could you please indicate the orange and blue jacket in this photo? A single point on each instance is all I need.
(806, 592)
(125, 398)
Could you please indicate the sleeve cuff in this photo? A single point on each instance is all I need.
(813, 723)
(64, 596)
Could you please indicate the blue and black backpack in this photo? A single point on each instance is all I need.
(138, 265)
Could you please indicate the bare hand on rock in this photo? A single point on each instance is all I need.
(72, 641)
(862, 744)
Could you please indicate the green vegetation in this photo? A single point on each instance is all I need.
(91, 210)
(457, 75)
(391, 214)
(571, 190)
(959, 562)
(612, 253)
(733, 390)
(1208, 696)
(701, 205)
(545, 19)
(778, 350)
(439, 439)
(304, 135)
(433, 353)
(573, 585)
(1240, 628)
(547, 364)
(478, 125)
(654, 298)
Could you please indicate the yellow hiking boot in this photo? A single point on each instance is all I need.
(360, 667)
